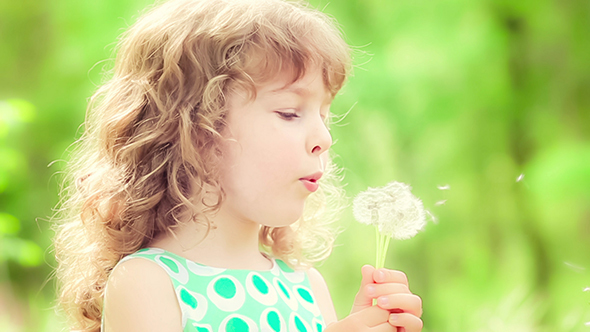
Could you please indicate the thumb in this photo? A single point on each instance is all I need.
(362, 299)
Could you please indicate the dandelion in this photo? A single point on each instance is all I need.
(394, 212)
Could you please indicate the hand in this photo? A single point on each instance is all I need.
(392, 292)
(370, 319)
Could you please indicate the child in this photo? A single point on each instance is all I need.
(206, 155)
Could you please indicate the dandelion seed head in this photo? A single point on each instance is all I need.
(392, 209)
(366, 205)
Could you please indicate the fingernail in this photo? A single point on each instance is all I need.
(383, 301)
(380, 275)
(393, 317)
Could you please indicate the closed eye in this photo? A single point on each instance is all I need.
(288, 116)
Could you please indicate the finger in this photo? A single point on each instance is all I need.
(385, 327)
(362, 299)
(409, 303)
(377, 290)
(382, 276)
(367, 272)
(371, 316)
(406, 321)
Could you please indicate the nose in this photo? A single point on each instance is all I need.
(319, 140)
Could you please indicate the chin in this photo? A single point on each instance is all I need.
(284, 220)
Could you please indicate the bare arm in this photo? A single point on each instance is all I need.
(140, 297)
(322, 294)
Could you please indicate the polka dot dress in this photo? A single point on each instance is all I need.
(220, 300)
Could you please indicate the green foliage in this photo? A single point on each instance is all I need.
(16, 247)
(472, 94)
(22, 251)
(13, 114)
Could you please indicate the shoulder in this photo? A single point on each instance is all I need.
(140, 297)
(322, 295)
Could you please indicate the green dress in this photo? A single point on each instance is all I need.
(219, 300)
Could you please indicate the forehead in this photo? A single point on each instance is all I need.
(310, 85)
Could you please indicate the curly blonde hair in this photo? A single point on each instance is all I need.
(152, 136)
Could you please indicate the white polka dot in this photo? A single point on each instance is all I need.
(227, 304)
(264, 321)
(192, 305)
(269, 298)
(311, 307)
(181, 275)
(289, 299)
(294, 277)
(293, 325)
(203, 270)
(252, 327)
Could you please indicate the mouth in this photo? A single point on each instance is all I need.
(315, 177)
(310, 185)
(311, 182)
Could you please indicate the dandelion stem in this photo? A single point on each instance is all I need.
(380, 240)
(381, 248)
(382, 255)
(385, 247)
(378, 246)
(378, 252)
(383, 251)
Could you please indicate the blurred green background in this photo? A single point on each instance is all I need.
(489, 98)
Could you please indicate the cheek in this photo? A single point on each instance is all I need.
(274, 149)
(262, 160)
(264, 188)
(261, 178)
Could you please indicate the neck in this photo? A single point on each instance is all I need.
(232, 242)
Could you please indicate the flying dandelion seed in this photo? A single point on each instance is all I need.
(445, 187)
(439, 203)
(587, 323)
(586, 289)
(574, 267)
(432, 217)
(520, 177)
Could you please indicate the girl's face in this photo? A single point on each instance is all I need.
(274, 141)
